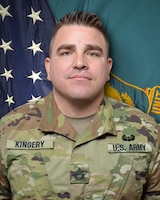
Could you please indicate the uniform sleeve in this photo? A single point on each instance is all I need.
(153, 188)
(5, 192)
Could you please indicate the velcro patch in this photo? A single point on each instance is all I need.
(33, 144)
(79, 173)
(129, 147)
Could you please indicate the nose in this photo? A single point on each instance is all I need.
(80, 62)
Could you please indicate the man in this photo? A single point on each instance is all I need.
(76, 143)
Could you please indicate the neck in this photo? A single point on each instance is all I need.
(77, 108)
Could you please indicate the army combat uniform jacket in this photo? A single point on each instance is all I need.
(43, 157)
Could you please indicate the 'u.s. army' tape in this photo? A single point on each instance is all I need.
(129, 147)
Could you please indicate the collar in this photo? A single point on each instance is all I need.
(54, 121)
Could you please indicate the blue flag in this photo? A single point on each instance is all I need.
(25, 31)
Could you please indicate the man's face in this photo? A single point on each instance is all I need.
(78, 66)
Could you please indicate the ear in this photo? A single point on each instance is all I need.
(109, 67)
(48, 66)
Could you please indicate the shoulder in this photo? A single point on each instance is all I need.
(132, 121)
(24, 113)
(128, 113)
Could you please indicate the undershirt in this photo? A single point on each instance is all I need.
(80, 124)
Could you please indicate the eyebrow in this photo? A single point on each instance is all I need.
(94, 47)
(66, 46)
(72, 46)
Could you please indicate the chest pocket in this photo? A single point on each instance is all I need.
(27, 175)
(128, 177)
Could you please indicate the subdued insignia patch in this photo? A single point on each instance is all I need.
(129, 147)
(79, 173)
(33, 144)
(128, 137)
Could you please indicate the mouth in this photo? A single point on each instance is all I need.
(80, 77)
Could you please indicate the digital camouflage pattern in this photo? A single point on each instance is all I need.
(43, 158)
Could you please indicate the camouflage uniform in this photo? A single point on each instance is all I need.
(42, 156)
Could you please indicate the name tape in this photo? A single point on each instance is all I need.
(34, 144)
(129, 147)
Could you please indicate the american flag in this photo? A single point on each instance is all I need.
(25, 31)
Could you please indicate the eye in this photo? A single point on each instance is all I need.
(93, 54)
(65, 52)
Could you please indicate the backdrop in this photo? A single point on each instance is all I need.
(133, 27)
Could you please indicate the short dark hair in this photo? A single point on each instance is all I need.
(81, 18)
